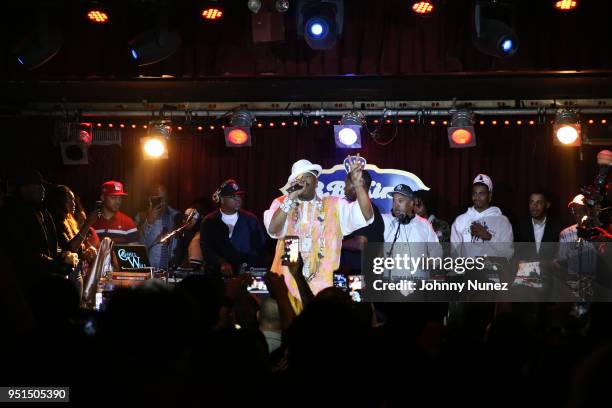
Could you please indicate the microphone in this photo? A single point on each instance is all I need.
(403, 218)
(295, 187)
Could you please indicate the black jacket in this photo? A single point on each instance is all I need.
(30, 240)
(246, 245)
(523, 232)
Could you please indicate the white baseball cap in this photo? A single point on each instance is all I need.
(578, 200)
(484, 179)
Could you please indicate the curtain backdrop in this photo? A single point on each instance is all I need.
(518, 158)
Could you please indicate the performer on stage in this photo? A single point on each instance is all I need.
(319, 222)
(231, 236)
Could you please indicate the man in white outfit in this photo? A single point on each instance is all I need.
(482, 229)
(408, 233)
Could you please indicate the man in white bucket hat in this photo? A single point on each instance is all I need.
(319, 222)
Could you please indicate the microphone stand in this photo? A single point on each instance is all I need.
(163, 240)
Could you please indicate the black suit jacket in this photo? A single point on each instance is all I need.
(245, 246)
(30, 241)
(523, 232)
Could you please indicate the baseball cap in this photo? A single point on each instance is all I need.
(578, 200)
(402, 189)
(113, 188)
(484, 179)
(230, 188)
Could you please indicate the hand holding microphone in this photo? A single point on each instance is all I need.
(296, 188)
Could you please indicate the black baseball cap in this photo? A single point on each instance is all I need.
(403, 190)
(26, 177)
(231, 188)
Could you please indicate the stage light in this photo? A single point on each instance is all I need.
(75, 143)
(254, 5)
(461, 131)
(347, 134)
(40, 45)
(156, 44)
(565, 5)
(493, 33)
(85, 133)
(320, 22)
(155, 147)
(155, 144)
(423, 8)
(281, 6)
(212, 11)
(238, 134)
(97, 14)
(567, 129)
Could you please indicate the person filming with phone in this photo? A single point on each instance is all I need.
(154, 223)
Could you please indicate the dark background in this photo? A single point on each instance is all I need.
(379, 38)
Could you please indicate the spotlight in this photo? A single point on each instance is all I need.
(567, 128)
(212, 11)
(423, 8)
(565, 5)
(238, 134)
(40, 45)
(97, 14)
(75, 143)
(348, 133)
(281, 6)
(461, 130)
(156, 44)
(155, 144)
(320, 22)
(154, 147)
(254, 5)
(85, 133)
(493, 33)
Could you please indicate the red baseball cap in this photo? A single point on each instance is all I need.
(113, 188)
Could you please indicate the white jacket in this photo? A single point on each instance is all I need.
(414, 239)
(463, 243)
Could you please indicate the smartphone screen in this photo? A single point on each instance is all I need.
(340, 281)
(355, 285)
(257, 285)
(292, 250)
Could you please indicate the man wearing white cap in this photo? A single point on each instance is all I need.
(482, 229)
(319, 222)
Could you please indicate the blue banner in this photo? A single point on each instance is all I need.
(331, 183)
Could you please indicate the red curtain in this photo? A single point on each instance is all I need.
(518, 158)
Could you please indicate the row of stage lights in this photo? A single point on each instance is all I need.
(461, 130)
(348, 130)
(214, 10)
(272, 124)
(318, 22)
